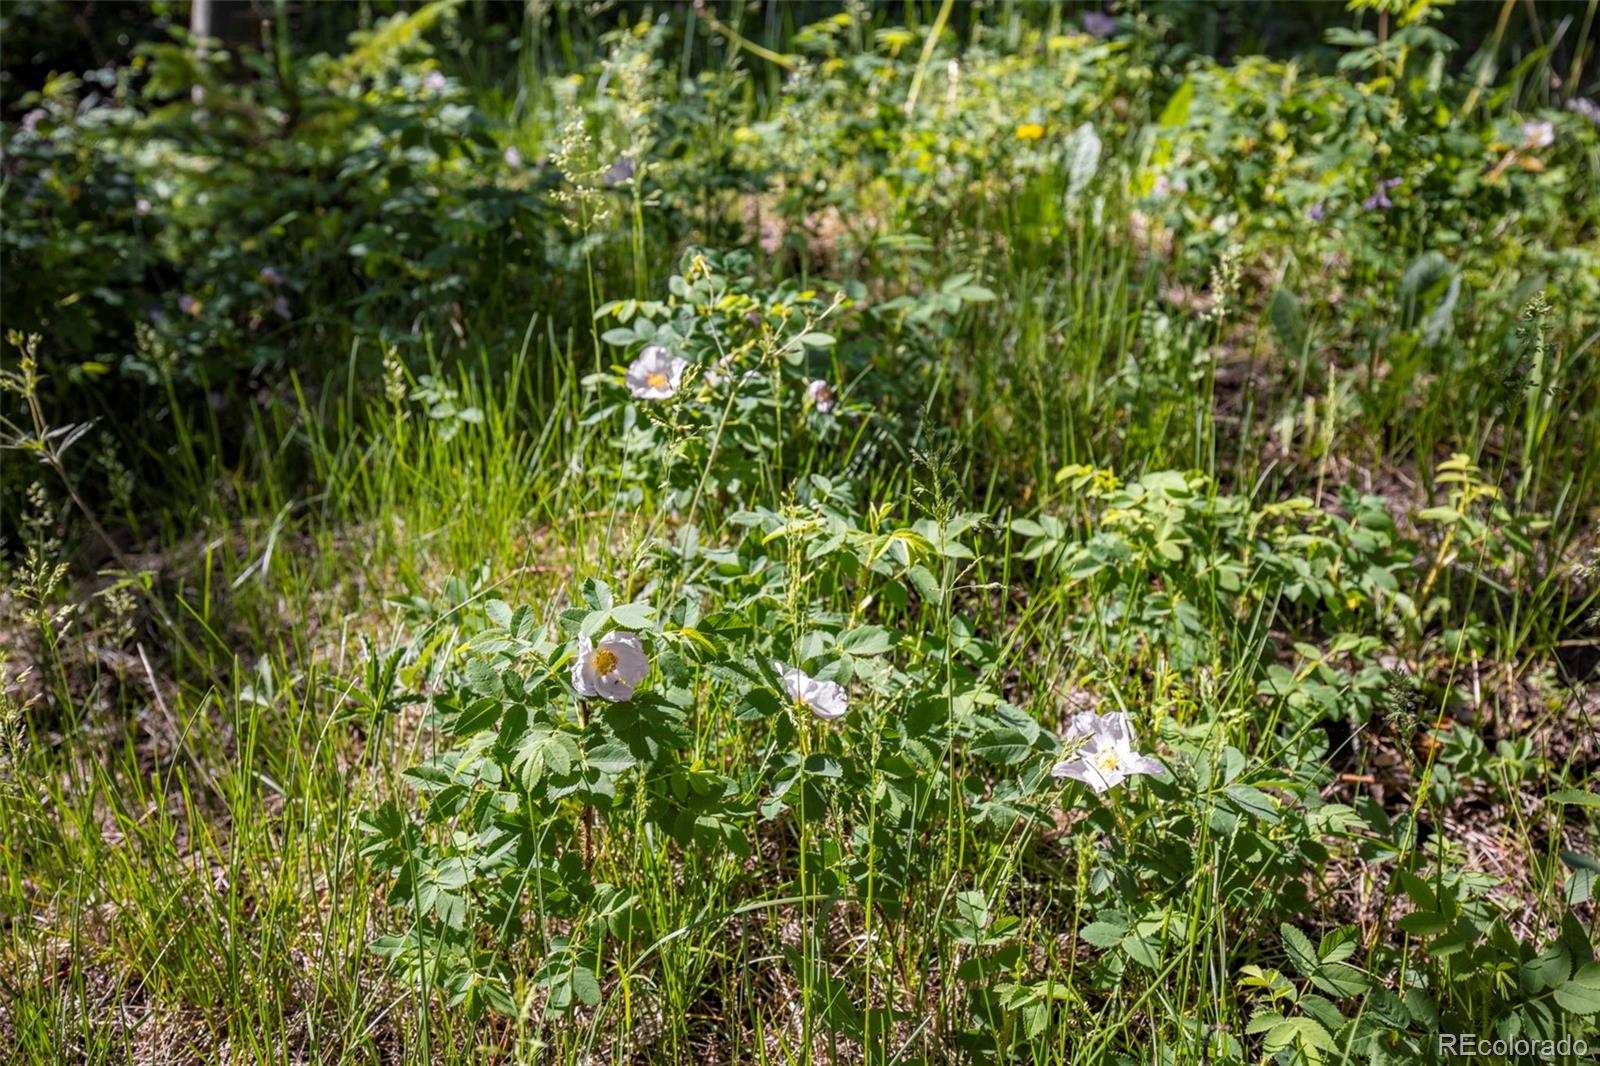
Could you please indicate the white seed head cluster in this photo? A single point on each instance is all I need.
(394, 379)
(576, 158)
(1224, 285)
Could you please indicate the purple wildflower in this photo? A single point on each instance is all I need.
(1099, 24)
(1585, 108)
(1318, 210)
(1380, 195)
(270, 276)
(618, 173)
(1166, 186)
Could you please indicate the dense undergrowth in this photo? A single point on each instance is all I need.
(605, 537)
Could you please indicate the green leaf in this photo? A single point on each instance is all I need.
(541, 750)
(428, 777)
(867, 640)
(1548, 969)
(597, 594)
(611, 757)
(499, 613)
(1142, 950)
(1574, 798)
(585, 987)
(1003, 746)
(820, 765)
(1339, 944)
(1427, 270)
(1304, 1033)
(1585, 871)
(1424, 923)
(1418, 891)
(498, 997)
(973, 909)
(1103, 934)
(1254, 801)
(633, 616)
(1288, 321)
(477, 716)
(1176, 113)
(1581, 993)
(483, 679)
(522, 623)
(1298, 947)
(1340, 979)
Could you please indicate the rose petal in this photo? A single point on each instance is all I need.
(632, 663)
(1115, 727)
(1083, 725)
(1080, 770)
(1143, 764)
(827, 700)
(613, 687)
(583, 675)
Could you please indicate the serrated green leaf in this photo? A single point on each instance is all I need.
(1255, 802)
(1580, 994)
(866, 640)
(1572, 797)
(1298, 947)
(499, 613)
(484, 679)
(633, 616)
(1103, 934)
(1341, 979)
(585, 986)
(611, 757)
(1424, 923)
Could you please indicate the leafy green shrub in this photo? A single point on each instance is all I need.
(815, 706)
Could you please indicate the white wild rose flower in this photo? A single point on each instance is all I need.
(821, 393)
(826, 699)
(655, 375)
(611, 669)
(1106, 755)
(1538, 134)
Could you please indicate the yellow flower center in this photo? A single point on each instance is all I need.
(604, 661)
(1107, 761)
(658, 380)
